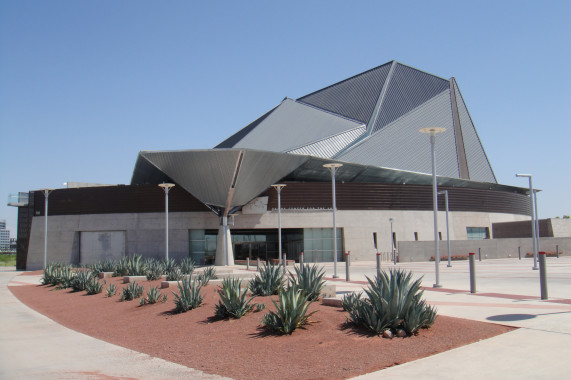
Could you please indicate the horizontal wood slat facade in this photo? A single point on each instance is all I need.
(296, 195)
(116, 200)
(372, 196)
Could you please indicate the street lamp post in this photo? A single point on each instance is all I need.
(333, 168)
(432, 131)
(391, 220)
(536, 222)
(533, 216)
(46, 196)
(166, 187)
(279, 188)
(445, 192)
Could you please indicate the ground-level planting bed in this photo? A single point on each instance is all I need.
(240, 349)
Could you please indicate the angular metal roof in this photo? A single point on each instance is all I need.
(391, 102)
(292, 124)
(221, 178)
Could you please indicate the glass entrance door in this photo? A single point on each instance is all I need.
(253, 250)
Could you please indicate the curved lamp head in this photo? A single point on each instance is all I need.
(432, 130)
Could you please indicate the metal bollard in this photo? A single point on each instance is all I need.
(479, 254)
(519, 252)
(557, 250)
(347, 265)
(378, 264)
(247, 263)
(472, 272)
(301, 259)
(542, 276)
(258, 264)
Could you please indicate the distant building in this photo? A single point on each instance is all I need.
(4, 237)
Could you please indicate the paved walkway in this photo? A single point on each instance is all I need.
(508, 293)
(34, 347)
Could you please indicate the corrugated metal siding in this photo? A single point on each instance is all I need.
(294, 124)
(400, 145)
(259, 170)
(354, 97)
(408, 89)
(478, 165)
(206, 174)
(330, 146)
(367, 196)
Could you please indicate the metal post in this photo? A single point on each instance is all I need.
(301, 259)
(479, 254)
(536, 220)
(247, 263)
(378, 264)
(393, 243)
(347, 266)
(166, 187)
(333, 167)
(542, 276)
(258, 264)
(46, 195)
(533, 216)
(557, 250)
(519, 252)
(432, 131)
(472, 272)
(279, 188)
(445, 192)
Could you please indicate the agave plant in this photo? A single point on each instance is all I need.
(207, 275)
(233, 301)
(189, 296)
(132, 291)
(291, 311)
(187, 265)
(93, 286)
(155, 269)
(60, 275)
(111, 290)
(393, 302)
(269, 281)
(350, 300)
(154, 295)
(174, 274)
(81, 280)
(133, 265)
(169, 265)
(107, 265)
(310, 279)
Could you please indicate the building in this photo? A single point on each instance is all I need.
(4, 237)
(223, 206)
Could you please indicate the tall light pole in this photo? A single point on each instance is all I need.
(333, 168)
(279, 188)
(533, 235)
(445, 192)
(166, 187)
(391, 220)
(536, 221)
(46, 196)
(432, 131)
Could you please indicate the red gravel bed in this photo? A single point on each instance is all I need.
(241, 349)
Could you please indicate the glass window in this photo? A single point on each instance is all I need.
(477, 233)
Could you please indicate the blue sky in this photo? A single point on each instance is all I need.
(86, 85)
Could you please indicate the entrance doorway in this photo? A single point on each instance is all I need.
(251, 250)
